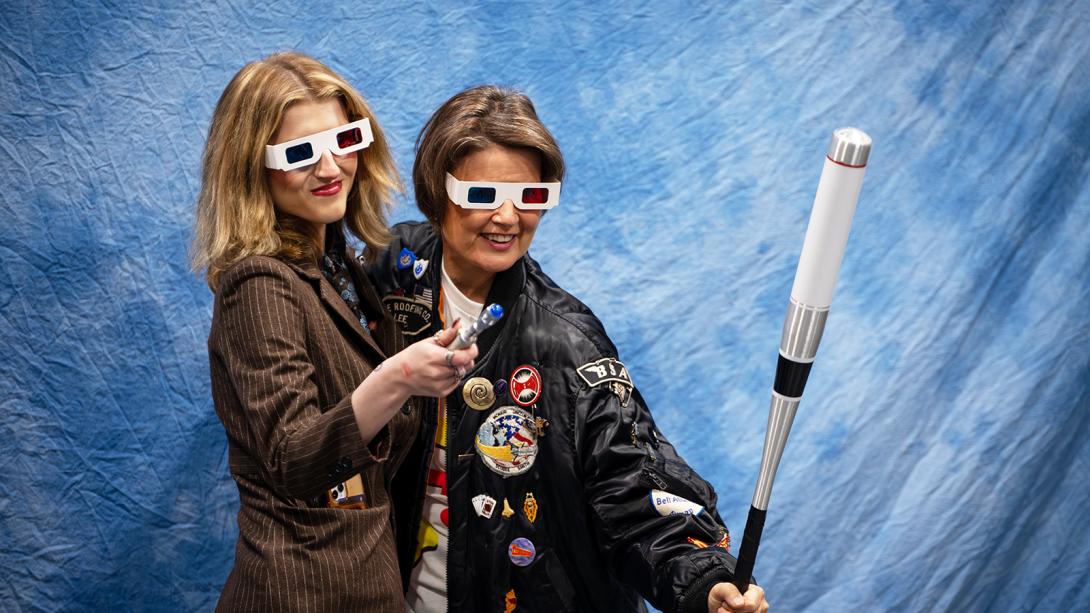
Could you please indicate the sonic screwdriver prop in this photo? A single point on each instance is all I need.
(811, 295)
(468, 335)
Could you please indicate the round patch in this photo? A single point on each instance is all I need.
(477, 392)
(506, 441)
(525, 385)
(521, 551)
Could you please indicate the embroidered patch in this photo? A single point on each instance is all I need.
(525, 385)
(484, 505)
(506, 441)
(667, 504)
(413, 316)
(612, 372)
(521, 551)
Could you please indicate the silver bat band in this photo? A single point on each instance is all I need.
(780, 416)
(802, 330)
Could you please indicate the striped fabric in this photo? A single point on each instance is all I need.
(286, 353)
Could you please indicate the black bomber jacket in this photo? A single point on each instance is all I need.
(584, 450)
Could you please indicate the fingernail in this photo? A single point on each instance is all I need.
(736, 602)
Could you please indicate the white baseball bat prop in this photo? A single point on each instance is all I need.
(811, 295)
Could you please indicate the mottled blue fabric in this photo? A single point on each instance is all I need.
(940, 458)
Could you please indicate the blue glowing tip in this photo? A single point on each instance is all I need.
(495, 310)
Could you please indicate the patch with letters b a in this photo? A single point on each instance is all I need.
(608, 371)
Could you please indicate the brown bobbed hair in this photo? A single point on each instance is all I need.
(236, 217)
(470, 121)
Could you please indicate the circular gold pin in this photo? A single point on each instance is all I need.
(478, 394)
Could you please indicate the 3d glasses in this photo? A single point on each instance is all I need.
(307, 150)
(490, 195)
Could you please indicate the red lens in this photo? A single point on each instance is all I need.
(535, 195)
(349, 137)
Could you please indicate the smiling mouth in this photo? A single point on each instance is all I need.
(327, 190)
(499, 238)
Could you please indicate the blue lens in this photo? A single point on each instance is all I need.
(482, 195)
(299, 153)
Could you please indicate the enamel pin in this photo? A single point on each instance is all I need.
(529, 507)
(405, 259)
(478, 394)
(522, 552)
(525, 385)
(484, 505)
(419, 267)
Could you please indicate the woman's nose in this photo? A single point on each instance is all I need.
(506, 214)
(327, 167)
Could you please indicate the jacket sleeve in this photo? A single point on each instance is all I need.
(634, 479)
(259, 338)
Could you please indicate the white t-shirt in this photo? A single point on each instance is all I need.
(428, 582)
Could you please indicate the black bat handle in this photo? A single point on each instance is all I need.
(747, 553)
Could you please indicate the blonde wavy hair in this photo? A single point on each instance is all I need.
(236, 217)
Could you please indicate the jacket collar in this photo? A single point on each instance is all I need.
(505, 291)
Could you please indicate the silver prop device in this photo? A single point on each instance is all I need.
(811, 295)
(468, 335)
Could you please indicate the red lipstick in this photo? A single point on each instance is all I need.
(330, 189)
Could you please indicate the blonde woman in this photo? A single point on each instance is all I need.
(311, 379)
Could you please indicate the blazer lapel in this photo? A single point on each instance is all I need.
(338, 307)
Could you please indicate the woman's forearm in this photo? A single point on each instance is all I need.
(377, 399)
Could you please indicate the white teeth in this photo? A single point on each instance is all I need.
(499, 238)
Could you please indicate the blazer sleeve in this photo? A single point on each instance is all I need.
(259, 336)
(673, 556)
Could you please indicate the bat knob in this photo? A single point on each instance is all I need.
(850, 147)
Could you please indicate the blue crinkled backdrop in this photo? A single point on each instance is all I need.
(940, 459)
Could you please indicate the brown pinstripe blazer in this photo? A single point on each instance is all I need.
(286, 352)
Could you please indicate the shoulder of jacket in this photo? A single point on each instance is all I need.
(255, 267)
(567, 312)
(413, 234)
